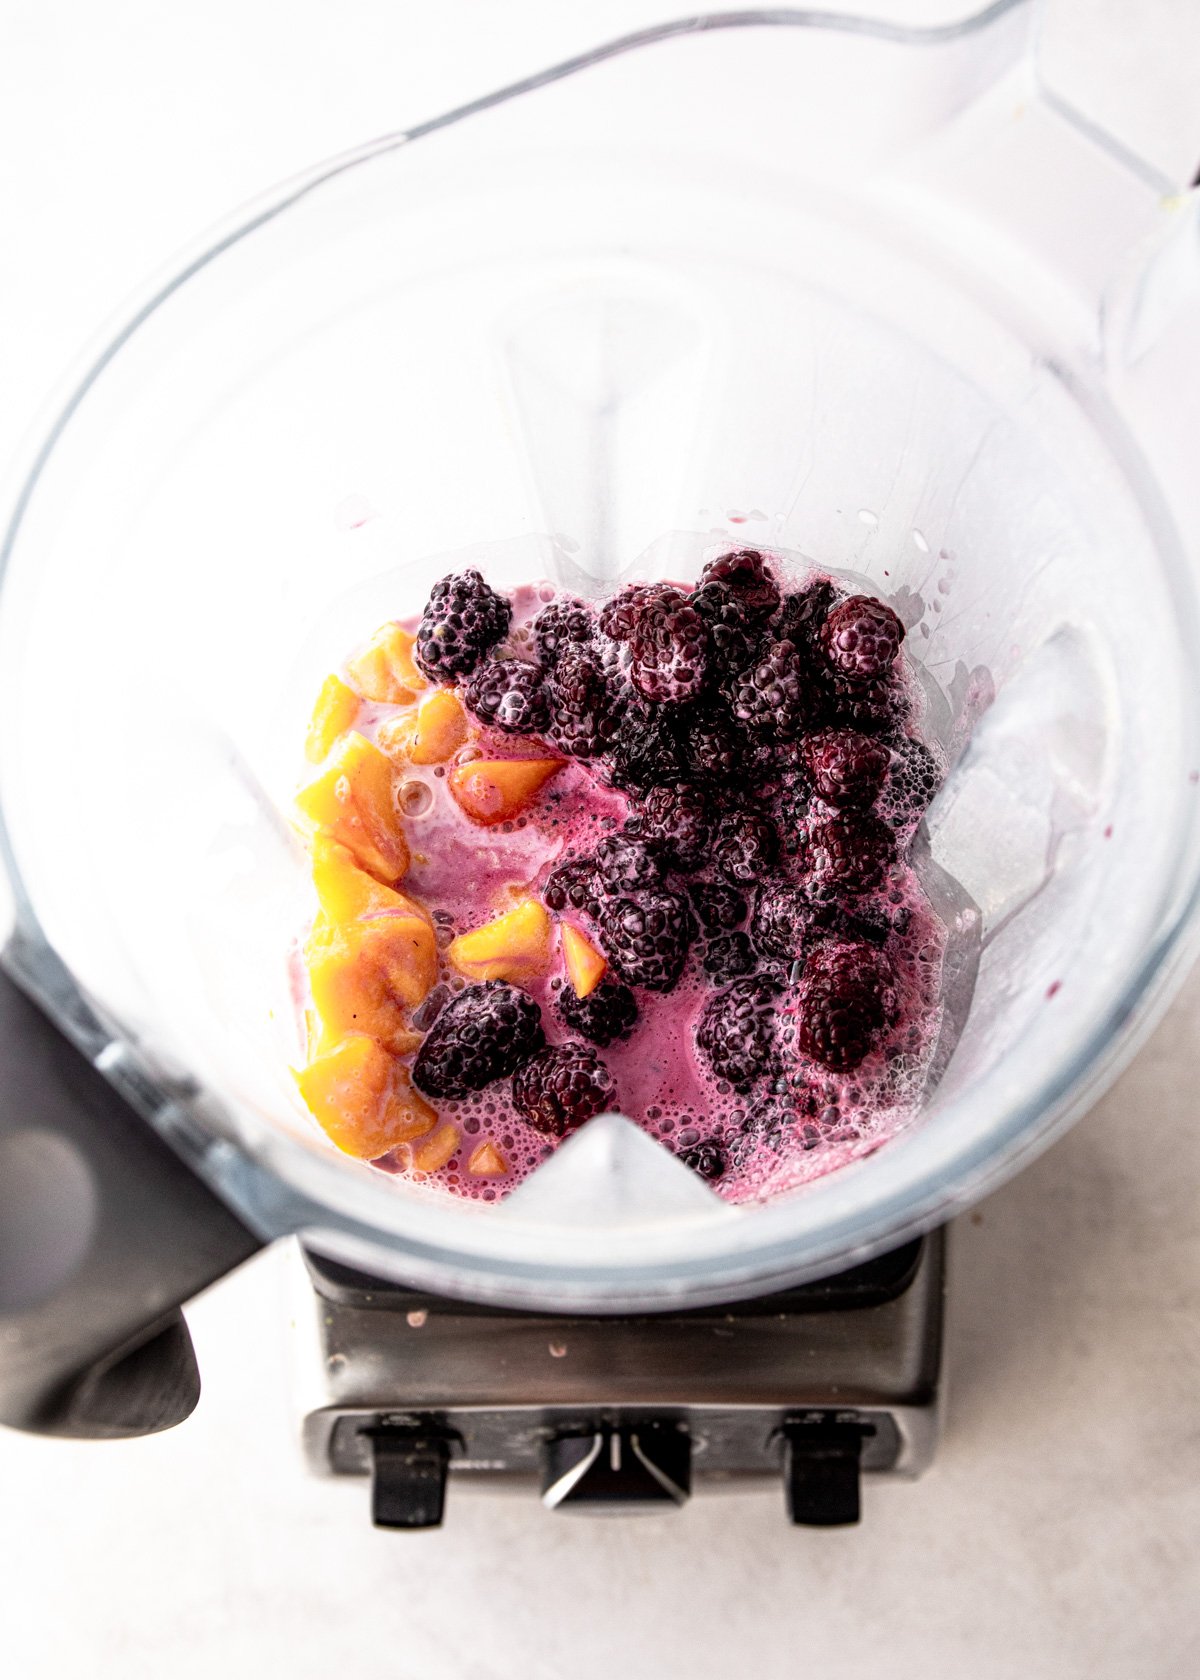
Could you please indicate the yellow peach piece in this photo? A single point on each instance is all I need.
(361, 1098)
(345, 891)
(493, 790)
(433, 1152)
(516, 946)
(395, 735)
(487, 1161)
(334, 712)
(441, 727)
(368, 976)
(384, 670)
(352, 801)
(585, 966)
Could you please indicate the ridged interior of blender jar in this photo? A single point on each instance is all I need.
(551, 367)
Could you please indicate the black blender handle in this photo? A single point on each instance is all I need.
(104, 1233)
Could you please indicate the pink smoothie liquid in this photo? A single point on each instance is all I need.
(772, 1140)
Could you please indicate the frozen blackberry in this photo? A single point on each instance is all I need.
(714, 749)
(604, 1015)
(874, 708)
(912, 782)
(645, 751)
(745, 847)
(719, 908)
(743, 575)
(668, 648)
(849, 854)
(736, 1032)
(706, 1158)
(843, 1002)
(583, 717)
(508, 693)
(560, 623)
(773, 697)
(860, 638)
(463, 618)
(781, 922)
(487, 1031)
(619, 616)
(572, 885)
(561, 1087)
(847, 768)
(622, 865)
(802, 614)
(646, 937)
(675, 822)
(728, 956)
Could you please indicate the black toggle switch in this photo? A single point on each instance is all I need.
(408, 1477)
(822, 1453)
(622, 1468)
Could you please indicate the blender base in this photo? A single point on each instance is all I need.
(808, 1387)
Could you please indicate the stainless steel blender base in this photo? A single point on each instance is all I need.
(809, 1385)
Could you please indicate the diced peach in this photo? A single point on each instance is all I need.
(441, 727)
(352, 801)
(487, 1161)
(395, 735)
(334, 712)
(367, 976)
(516, 946)
(585, 966)
(361, 1097)
(433, 1152)
(345, 891)
(384, 670)
(493, 790)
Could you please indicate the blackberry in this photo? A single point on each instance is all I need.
(849, 854)
(561, 622)
(874, 708)
(619, 616)
(622, 865)
(676, 822)
(745, 577)
(509, 694)
(728, 956)
(736, 1032)
(860, 638)
(847, 768)
(487, 1031)
(802, 614)
(719, 907)
(843, 1003)
(572, 885)
(668, 648)
(645, 751)
(781, 922)
(463, 618)
(912, 781)
(582, 714)
(773, 697)
(646, 937)
(745, 847)
(706, 1158)
(714, 750)
(561, 1087)
(604, 1015)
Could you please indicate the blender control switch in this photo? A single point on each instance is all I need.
(408, 1477)
(821, 1466)
(622, 1468)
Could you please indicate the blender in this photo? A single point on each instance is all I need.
(867, 295)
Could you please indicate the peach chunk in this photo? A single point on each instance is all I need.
(395, 734)
(441, 727)
(345, 892)
(433, 1152)
(362, 1099)
(351, 801)
(487, 1161)
(516, 946)
(492, 790)
(384, 670)
(585, 966)
(367, 976)
(334, 712)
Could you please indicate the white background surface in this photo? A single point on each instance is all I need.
(1059, 1533)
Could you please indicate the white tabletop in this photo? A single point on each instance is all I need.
(1059, 1532)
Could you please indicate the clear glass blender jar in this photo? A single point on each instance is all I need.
(860, 294)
